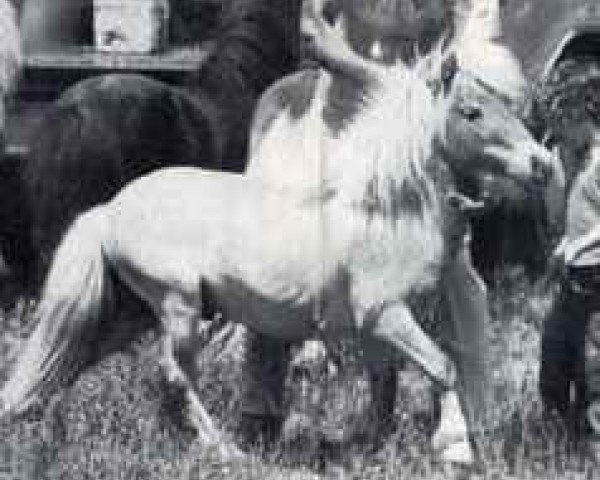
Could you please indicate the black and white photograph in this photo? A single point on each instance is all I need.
(299, 239)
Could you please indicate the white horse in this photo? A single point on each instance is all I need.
(294, 127)
(286, 121)
(344, 251)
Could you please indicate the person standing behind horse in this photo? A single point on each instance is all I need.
(387, 32)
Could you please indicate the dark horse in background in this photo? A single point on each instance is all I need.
(105, 131)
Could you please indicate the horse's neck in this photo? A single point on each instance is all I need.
(291, 154)
(343, 99)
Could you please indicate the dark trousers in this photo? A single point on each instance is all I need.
(562, 375)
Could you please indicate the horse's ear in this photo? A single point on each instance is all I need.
(448, 72)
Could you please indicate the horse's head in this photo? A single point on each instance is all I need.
(483, 137)
(482, 129)
(483, 132)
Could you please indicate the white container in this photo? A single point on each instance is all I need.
(130, 26)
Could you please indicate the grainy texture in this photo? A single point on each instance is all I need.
(113, 422)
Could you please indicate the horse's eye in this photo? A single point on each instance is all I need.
(471, 112)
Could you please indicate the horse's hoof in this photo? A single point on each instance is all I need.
(593, 417)
(441, 441)
(459, 453)
(453, 426)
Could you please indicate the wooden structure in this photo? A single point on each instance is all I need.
(46, 74)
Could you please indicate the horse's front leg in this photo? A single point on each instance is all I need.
(394, 326)
(179, 349)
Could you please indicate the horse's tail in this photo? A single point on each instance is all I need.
(75, 292)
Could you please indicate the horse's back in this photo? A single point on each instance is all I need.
(176, 226)
(179, 185)
(178, 211)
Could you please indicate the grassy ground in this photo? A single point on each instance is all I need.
(113, 423)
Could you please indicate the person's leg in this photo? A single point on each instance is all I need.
(592, 374)
(563, 359)
(566, 372)
(468, 312)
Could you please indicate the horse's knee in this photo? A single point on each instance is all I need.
(395, 327)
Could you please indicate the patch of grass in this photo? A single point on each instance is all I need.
(116, 421)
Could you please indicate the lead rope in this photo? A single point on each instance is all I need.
(315, 150)
(316, 131)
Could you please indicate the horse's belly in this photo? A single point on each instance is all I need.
(283, 311)
(286, 302)
(266, 255)
(273, 280)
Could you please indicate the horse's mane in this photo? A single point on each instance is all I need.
(402, 119)
(384, 156)
(384, 167)
(258, 42)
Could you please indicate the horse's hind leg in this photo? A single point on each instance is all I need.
(181, 342)
(395, 327)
